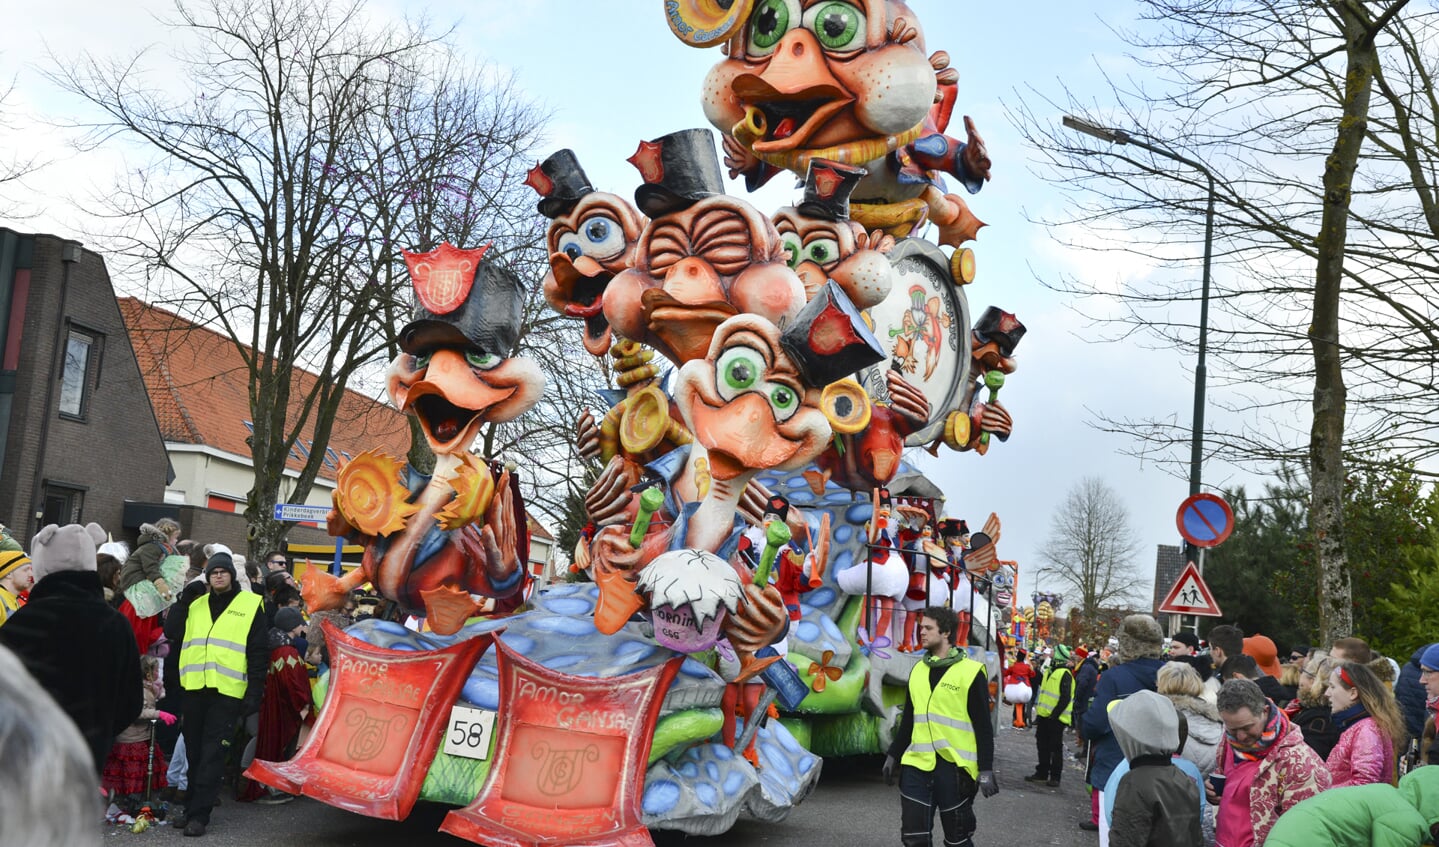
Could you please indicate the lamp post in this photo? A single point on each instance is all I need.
(1196, 439)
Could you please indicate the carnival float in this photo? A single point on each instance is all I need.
(758, 548)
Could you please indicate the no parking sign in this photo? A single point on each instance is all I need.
(1205, 520)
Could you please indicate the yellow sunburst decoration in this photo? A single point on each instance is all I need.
(646, 419)
(370, 496)
(474, 489)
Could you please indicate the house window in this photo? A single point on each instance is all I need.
(63, 505)
(82, 355)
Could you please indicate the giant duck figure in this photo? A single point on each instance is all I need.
(433, 541)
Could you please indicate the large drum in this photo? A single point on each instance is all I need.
(923, 325)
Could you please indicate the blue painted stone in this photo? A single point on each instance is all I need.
(775, 758)
(712, 771)
(733, 783)
(565, 626)
(695, 669)
(569, 605)
(519, 643)
(392, 627)
(789, 742)
(484, 693)
(408, 648)
(831, 630)
(807, 631)
(859, 513)
(562, 662)
(806, 763)
(636, 651)
(706, 794)
(688, 769)
(660, 796)
(843, 533)
(721, 752)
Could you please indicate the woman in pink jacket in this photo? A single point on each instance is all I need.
(1373, 730)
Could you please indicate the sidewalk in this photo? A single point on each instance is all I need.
(1027, 814)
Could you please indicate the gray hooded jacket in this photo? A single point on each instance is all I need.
(1156, 804)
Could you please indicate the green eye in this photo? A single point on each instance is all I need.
(483, 361)
(822, 251)
(769, 21)
(791, 243)
(784, 401)
(838, 26)
(738, 370)
(422, 362)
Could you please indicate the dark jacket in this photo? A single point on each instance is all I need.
(1086, 676)
(1156, 805)
(1411, 695)
(1118, 682)
(83, 653)
(1274, 690)
(1319, 730)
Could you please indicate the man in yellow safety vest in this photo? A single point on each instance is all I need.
(943, 747)
(1054, 710)
(223, 660)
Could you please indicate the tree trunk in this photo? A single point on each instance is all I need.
(1326, 440)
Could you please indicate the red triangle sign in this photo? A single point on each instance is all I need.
(1190, 596)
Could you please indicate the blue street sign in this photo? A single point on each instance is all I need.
(301, 512)
(1205, 520)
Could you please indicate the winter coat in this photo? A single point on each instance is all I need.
(1320, 733)
(1118, 682)
(1086, 676)
(1206, 730)
(82, 652)
(1363, 755)
(140, 729)
(144, 563)
(1364, 816)
(1289, 774)
(1411, 695)
(1155, 804)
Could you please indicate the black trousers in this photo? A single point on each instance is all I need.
(210, 718)
(947, 789)
(1049, 738)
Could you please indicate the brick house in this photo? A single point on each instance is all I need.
(198, 384)
(78, 439)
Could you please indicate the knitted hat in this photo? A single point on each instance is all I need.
(1062, 653)
(1430, 659)
(1081, 653)
(1261, 648)
(1139, 638)
(1188, 639)
(12, 561)
(220, 561)
(287, 618)
(65, 548)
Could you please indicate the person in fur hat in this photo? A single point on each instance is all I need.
(1133, 667)
(80, 650)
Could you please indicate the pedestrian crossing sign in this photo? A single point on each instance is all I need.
(1190, 596)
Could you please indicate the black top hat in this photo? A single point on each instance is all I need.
(560, 182)
(1001, 327)
(829, 340)
(949, 528)
(679, 170)
(485, 313)
(777, 505)
(963, 528)
(827, 186)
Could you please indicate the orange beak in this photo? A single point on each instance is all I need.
(741, 436)
(451, 401)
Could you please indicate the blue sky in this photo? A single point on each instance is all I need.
(613, 74)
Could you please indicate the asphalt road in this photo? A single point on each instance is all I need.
(850, 806)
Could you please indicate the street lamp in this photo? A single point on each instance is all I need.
(1119, 136)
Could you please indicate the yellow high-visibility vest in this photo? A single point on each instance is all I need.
(1049, 696)
(213, 652)
(941, 718)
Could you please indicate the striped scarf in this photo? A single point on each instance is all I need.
(1274, 728)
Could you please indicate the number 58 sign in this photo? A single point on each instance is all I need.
(469, 732)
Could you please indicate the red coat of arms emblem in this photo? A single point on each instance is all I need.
(443, 276)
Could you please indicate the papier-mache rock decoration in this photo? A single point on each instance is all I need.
(757, 549)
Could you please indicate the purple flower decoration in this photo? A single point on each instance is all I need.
(873, 647)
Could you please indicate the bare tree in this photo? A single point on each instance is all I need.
(14, 166)
(308, 147)
(1091, 548)
(1318, 120)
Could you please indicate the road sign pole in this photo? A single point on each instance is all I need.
(1199, 565)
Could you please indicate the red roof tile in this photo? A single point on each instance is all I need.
(199, 387)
